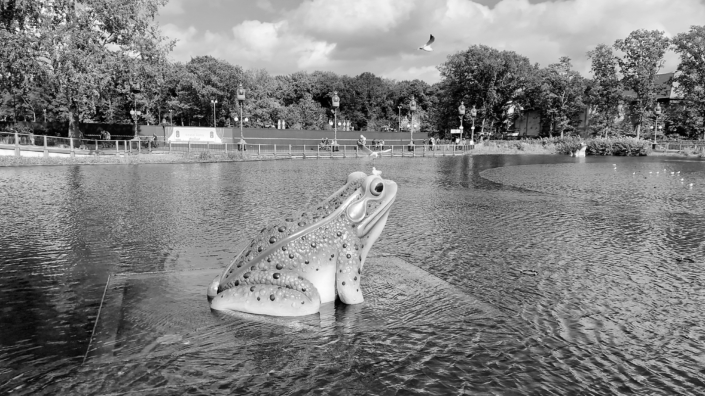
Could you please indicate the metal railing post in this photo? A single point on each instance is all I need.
(345, 151)
(169, 147)
(46, 149)
(208, 146)
(290, 156)
(17, 144)
(189, 147)
(259, 149)
(275, 151)
(226, 148)
(73, 153)
(318, 152)
(304, 151)
(117, 147)
(96, 145)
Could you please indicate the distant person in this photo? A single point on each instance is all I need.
(362, 141)
(154, 140)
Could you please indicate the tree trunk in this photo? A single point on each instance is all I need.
(638, 130)
(74, 132)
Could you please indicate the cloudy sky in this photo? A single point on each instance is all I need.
(382, 36)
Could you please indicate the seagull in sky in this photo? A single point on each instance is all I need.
(427, 46)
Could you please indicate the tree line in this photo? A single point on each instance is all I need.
(95, 61)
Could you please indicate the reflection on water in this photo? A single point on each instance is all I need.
(595, 273)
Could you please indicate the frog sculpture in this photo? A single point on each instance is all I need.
(296, 264)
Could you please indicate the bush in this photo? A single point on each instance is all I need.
(206, 156)
(620, 146)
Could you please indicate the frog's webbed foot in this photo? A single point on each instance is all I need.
(275, 293)
(347, 279)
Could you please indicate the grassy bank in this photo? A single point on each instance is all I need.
(172, 158)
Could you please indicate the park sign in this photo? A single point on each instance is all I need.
(194, 134)
(458, 131)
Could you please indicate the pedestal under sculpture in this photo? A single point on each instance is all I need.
(296, 264)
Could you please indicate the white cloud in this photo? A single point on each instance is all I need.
(382, 36)
(265, 5)
(362, 18)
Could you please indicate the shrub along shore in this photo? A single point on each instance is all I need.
(621, 146)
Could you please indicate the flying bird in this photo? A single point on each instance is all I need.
(373, 154)
(427, 46)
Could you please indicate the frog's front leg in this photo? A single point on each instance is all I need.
(275, 293)
(348, 274)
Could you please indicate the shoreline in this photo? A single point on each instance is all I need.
(206, 157)
(133, 159)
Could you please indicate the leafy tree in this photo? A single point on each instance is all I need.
(83, 53)
(492, 80)
(562, 96)
(605, 94)
(690, 76)
(643, 58)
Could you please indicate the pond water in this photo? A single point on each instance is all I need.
(495, 274)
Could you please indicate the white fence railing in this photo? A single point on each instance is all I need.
(73, 146)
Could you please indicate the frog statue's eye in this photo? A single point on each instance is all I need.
(377, 188)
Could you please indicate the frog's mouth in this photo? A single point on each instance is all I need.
(374, 223)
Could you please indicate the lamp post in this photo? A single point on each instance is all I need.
(412, 108)
(214, 102)
(134, 112)
(473, 114)
(241, 101)
(657, 111)
(461, 114)
(336, 104)
(399, 107)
